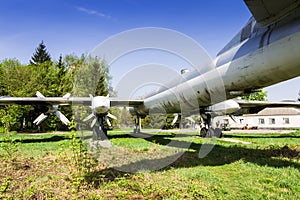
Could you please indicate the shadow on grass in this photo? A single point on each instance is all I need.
(221, 155)
(55, 138)
(149, 135)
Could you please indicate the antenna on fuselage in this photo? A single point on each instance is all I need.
(184, 71)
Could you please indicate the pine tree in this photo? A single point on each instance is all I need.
(41, 55)
(60, 63)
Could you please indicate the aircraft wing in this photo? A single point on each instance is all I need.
(44, 101)
(53, 102)
(64, 101)
(267, 12)
(251, 107)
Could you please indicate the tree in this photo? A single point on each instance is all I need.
(2, 81)
(125, 118)
(60, 63)
(41, 55)
(259, 95)
(80, 76)
(91, 76)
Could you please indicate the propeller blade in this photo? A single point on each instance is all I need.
(175, 119)
(40, 119)
(89, 117)
(40, 95)
(67, 96)
(107, 121)
(111, 116)
(93, 123)
(62, 117)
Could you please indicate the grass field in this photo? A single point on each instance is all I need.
(57, 166)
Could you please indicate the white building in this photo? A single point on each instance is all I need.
(269, 118)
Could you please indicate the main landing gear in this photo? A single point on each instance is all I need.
(137, 124)
(210, 132)
(207, 131)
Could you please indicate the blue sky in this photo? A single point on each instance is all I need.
(77, 26)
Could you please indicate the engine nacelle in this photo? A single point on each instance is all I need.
(101, 105)
(224, 107)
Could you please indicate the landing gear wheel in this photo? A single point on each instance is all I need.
(203, 132)
(210, 133)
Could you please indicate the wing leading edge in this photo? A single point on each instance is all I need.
(64, 101)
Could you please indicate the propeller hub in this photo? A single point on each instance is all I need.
(101, 105)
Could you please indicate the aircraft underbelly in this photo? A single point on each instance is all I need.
(274, 63)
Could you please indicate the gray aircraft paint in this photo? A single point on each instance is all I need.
(267, 56)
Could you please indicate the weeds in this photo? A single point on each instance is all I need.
(85, 164)
(230, 171)
(9, 145)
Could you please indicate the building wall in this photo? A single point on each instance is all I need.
(260, 122)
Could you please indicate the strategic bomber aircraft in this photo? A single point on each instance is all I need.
(264, 52)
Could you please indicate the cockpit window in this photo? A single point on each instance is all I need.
(246, 32)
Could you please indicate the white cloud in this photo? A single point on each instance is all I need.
(92, 12)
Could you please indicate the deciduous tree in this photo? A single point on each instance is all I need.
(259, 95)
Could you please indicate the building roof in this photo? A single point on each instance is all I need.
(279, 111)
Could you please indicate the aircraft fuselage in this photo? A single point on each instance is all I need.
(255, 58)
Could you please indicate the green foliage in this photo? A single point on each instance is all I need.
(5, 185)
(80, 155)
(2, 80)
(9, 145)
(158, 121)
(259, 95)
(116, 112)
(126, 118)
(9, 117)
(71, 74)
(91, 76)
(41, 55)
(82, 159)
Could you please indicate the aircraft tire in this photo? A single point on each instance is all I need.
(217, 132)
(210, 133)
(203, 132)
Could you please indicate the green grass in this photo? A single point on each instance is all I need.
(268, 168)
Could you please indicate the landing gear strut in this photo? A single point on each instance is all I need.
(100, 132)
(207, 131)
(137, 124)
